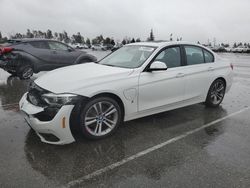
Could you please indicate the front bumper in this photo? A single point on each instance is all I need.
(58, 127)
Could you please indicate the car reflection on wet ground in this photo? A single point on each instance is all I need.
(216, 156)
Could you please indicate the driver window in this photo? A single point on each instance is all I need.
(57, 46)
(170, 56)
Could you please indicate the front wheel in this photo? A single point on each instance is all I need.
(100, 117)
(216, 93)
(25, 72)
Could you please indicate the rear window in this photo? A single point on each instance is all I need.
(194, 55)
(208, 56)
(57, 46)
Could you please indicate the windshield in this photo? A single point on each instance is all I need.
(128, 56)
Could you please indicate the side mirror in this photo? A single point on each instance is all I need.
(157, 66)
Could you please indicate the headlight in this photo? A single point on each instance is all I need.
(60, 99)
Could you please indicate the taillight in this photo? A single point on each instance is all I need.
(5, 50)
(232, 66)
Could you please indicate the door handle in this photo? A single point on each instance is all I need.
(179, 75)
(210, 69)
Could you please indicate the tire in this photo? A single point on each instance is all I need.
(25, 72)
(216, 93)
(98, 123)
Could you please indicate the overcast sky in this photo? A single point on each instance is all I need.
(193, 20)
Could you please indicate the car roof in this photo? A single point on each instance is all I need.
(28, 40)
(158, 44)
(163, 43)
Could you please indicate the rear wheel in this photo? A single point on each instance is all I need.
(216, 93)
(25, 72)
(100, 117)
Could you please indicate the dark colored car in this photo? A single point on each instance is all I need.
(108, 47)
(116, 47)
(24, 57)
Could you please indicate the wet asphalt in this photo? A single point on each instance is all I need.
(216, 156)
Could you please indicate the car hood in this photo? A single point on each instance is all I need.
(73, 78)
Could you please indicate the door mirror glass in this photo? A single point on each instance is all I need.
(157, 66)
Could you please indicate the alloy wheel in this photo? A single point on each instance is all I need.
(101, 118)
(217, 92)
(27, 73)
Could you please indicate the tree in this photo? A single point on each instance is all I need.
(78, 38)
(171, 37)
(65, 37)
(124, 42)
(95, 41)
(235, 45)
(132, 41)
(16, 36)
(225, 45)
(29, 34)
(112, 42)
(138, 40)
(88, 42)
(49, 34)
(60, 37)
(107, 41)
(41, 34)
(35, 33)
(2, 40)
(151, 36)
(100, 39)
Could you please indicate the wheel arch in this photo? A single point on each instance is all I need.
(27, 59)
(74, 116)
(223, 79)
(218, 78)
(82, 57)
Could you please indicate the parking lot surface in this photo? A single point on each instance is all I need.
(193, 146)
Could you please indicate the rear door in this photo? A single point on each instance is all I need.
(199, 72)
(41, 50)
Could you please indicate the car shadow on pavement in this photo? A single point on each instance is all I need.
(65, 163)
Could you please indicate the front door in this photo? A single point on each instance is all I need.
(160, 88)
(61, 54)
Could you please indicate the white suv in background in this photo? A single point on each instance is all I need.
(137, 80)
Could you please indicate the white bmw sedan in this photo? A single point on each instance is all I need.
(137, 80)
